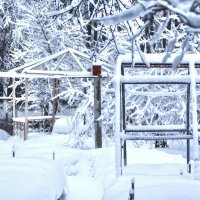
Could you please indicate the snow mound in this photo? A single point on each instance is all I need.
(31, 178)
(62, 125)
(4, 135)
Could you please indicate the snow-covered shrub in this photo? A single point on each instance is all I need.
(4, 135)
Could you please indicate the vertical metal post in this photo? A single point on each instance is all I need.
(96, 70)
(26, 110)
(188, 126)
(14, 105)
(54, 102)
(124, 122)
(194, 124)
(123, 116)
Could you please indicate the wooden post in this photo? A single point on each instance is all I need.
(26, 110)
(96, 70)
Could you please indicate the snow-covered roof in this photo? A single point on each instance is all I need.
(74, 53)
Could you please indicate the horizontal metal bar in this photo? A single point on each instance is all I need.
(178, 79)
(157, 131)
(157, 65)
(158, 58)
(65, 73)
(161, 137)
(150, 128)
(46, 74)
(20, 75)
(156, 93)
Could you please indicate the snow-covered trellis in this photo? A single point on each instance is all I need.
(185, 128)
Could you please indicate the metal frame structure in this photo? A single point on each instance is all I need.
(122, 131)
(174, 129)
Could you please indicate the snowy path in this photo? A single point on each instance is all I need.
(84, 189)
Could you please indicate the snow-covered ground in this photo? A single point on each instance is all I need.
(88, 174)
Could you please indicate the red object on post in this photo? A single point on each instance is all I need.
(96, 70)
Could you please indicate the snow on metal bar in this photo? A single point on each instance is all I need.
(18, 75)
(160, 137)
(158, 58)
(77, 60)
(41, 61)
(32, 118)
(61, 73)
(156, 128)
(155, 79)
(49, 74)
(46, 59)
(65, 73)
(160, 93)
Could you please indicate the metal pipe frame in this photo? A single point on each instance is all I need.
(187, 133)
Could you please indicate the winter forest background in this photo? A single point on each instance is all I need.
(65, 164)
(31, 30)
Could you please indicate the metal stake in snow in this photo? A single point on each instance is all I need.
(53, 155)
(13, 151)
(194, 120)
(133, 183)
(96, 71)
(132, 190)
(131, 194)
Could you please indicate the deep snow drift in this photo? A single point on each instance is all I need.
(89, 174)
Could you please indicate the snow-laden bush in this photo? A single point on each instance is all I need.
(4, 135)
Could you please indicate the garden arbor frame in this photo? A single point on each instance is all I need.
(125, 132)
(30, 71)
